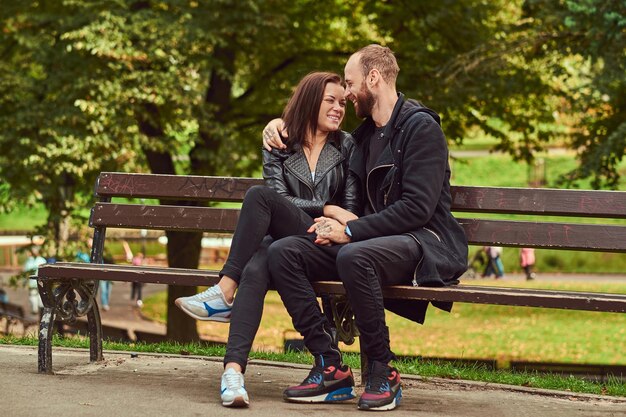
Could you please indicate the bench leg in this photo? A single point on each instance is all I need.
(46, 329)
(95, 334)
(339, 312)
(61, 304)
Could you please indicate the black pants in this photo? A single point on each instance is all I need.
(135, 290)
(265, 216)
(363, 267)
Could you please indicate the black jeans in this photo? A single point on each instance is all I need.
(265, 216)
(363, 267)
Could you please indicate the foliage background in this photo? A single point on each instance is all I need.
(184, 86)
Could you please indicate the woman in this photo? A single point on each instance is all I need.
(527, 262)
(307, 180)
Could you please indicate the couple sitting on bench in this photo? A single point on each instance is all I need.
(369, 210)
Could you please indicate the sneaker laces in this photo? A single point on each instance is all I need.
(214, 290)
(315, 376)
(375, 381)
(233, 380)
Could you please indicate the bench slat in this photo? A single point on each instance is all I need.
(460, 293)
(591, 237)
(128, 273)
(11, 310)
(544, 201)
(614, 303)
(114, 184)
(180, 218)
(556, 202)
(587, 237)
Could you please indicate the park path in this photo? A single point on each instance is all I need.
(167, 385)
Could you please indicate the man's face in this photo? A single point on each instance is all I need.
(356, 88)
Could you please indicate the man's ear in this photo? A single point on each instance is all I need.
(373, 78)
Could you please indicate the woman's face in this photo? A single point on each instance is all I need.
(332, 109)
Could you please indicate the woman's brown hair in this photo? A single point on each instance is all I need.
(302, 111)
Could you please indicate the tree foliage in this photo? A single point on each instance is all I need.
(184, 86)
(585, 44)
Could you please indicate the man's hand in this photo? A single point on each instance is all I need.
(329, 231)
(271, 136)
(340, 214)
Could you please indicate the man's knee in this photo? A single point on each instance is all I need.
(351, 258)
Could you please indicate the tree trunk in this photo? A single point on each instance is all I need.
(183, 251)
(183, 248)
(217, 102)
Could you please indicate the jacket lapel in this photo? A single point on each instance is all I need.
(329, 158)
(298, 166)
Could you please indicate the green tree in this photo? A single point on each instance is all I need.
(583, 44)
(127, 77)
(184, 86)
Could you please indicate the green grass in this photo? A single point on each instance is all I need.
(424, 368)
(470, 331)
(23, 218)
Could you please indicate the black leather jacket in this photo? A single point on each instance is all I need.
(288, 173)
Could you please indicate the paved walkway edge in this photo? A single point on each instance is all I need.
(433, 380)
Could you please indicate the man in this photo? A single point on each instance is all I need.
(406, 235)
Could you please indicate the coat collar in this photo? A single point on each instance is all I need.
(364, 132)
(299, 166)
(366, 128)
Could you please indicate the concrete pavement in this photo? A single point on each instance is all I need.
(172, 385)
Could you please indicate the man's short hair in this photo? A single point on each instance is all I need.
(379, 57)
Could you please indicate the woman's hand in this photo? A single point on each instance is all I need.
(271, 136)
(342, 215)
(329, 231)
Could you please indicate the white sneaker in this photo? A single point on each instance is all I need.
(233, 390)
(207, 305)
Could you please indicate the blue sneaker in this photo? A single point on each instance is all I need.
(383, 390)
(233, 390)
(207, 305)
(323, 385)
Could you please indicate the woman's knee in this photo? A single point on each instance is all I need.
(280, 250)
(256, 270)
(257, 193)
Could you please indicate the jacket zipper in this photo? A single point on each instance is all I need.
(437, 236)
(367, 182)
(414, 281)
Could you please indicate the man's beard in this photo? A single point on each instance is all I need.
(365, 101)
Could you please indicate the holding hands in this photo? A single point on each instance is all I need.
(329, 231)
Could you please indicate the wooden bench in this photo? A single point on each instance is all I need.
(61, 283)
(13, 314)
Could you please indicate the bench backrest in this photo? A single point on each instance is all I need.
(11, 310)
(182, 199)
